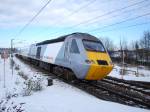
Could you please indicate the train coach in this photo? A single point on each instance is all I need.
(79, 55)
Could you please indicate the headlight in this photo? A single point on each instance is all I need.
(90, 61)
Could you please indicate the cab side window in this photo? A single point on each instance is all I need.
(74, 48)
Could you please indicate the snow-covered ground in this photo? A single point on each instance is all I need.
(143, 73)
(60, 97)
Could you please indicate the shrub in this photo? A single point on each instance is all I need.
(35, 83)
(6, 105)
(17, 67)
(22, 75)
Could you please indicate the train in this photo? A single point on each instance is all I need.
(78, 55)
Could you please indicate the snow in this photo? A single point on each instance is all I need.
(144, 74)
(10, 85)
(60, 97)
(64, 98)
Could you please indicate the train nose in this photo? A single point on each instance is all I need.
(97, 72)
(100, 65)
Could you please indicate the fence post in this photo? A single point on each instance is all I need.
(4, 74)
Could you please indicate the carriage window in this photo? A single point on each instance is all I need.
(38, 52)
(74, 48)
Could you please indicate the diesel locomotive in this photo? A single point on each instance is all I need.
(80, 53)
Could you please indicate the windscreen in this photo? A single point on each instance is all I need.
(93, 46)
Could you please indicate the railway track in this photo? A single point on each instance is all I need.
(128, 86)
(113, 89)
(109, 92)
(137, 97)
(137, 85)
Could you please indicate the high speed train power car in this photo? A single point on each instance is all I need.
(81, 53)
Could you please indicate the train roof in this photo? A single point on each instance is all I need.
(76, 35)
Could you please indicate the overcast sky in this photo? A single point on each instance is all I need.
(62, 17)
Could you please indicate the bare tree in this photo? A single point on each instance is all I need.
(145, 45)
(108, 43)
